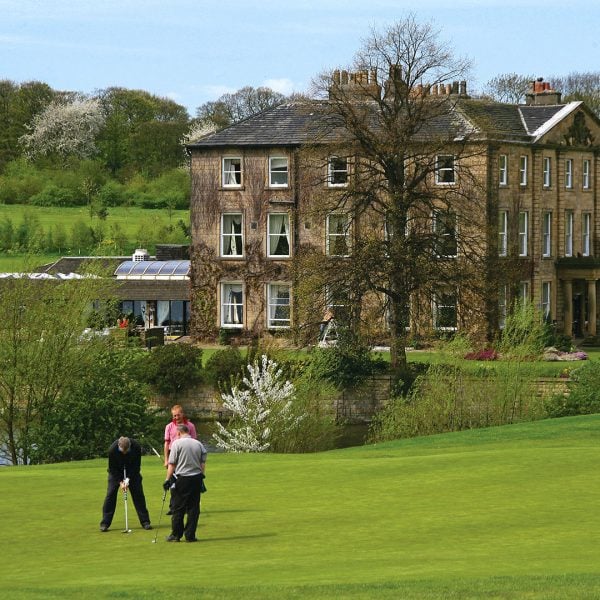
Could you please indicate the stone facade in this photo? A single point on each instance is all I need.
(255, 205)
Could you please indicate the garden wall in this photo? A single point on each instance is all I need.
(357, 405)
(353, 406)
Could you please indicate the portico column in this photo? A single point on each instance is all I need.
(591, 307)
(568, 326)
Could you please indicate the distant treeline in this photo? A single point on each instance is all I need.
(115, 147)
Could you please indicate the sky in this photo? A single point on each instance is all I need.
(193, 51)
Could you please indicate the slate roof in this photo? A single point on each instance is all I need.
(298, 123)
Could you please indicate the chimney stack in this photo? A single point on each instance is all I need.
(541, 93)
(360, 84)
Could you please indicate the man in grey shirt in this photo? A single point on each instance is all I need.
(185, 472)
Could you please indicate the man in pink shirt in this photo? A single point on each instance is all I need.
(179, 418)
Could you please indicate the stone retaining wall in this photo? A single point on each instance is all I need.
(352, 406)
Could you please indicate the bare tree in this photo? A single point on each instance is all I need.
(508, 87)
(413, 222)
(579, 86)
(231, 108)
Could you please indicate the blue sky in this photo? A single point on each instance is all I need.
(195, 50)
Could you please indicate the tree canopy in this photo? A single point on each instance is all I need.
(231, 108)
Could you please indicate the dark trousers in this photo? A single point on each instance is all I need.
(136, 491)
(185, 500)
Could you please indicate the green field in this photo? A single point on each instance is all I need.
(133, 223)
(510, 512)
(129, 218)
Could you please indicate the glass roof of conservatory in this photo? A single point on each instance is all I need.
(153, 269)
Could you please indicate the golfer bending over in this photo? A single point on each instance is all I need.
(124, 462)
(187, 461)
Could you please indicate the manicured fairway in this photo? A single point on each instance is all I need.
(510, 512)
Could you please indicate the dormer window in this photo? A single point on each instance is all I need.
(232, 172)
(278, 172)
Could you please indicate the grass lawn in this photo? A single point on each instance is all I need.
(128, 217)
(510, 512)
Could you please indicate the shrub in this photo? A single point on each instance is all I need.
(450, 398)
(583, 397)
(347, 363)
(53, 195)
(524, 334)
(172, 368)
(487, 354)
(224, 368)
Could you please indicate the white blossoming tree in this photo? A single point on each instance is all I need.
(261, 411)
(65, 129)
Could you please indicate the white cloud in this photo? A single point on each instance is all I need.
(283, 86)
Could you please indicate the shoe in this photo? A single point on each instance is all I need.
(146, 526)
(192, 540)
(171, 538)
(103, 528)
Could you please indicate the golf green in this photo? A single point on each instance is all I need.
(509, 512)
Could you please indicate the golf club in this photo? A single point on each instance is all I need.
(125, 487)
(160, 517)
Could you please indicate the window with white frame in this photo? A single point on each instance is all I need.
(232, 305)
(503, 169)
(523, 233)
(337, 171)
(569, 233)
(585, 174)
(586, 234)
(278, 299)
(502, 304)
(338, 234)
(547, 172)
(232, 172)
(445, 169)
(546, 300)
(232, 237)
(278, 171)
(523, 160)
(524, 292)
(547, 234)
(445, 235)
(503, 233)
(279, 234)
(444, 311)
(569, 173)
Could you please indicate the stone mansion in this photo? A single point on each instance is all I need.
(538, 169)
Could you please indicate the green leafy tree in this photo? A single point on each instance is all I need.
(40, 353)
(101, 405)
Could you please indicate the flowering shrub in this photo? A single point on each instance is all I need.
(261, 412)
(487, 354)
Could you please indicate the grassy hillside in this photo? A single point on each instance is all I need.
(136, 226)
(505, 513)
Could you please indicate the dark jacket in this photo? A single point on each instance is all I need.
(132, 461)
